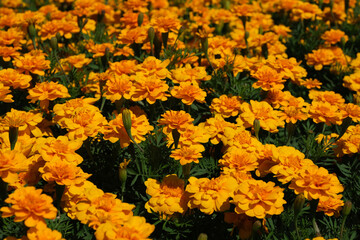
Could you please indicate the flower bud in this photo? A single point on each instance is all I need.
(140, 19)
(13, 136)
(32, 31)
(346, 209)
(151, 34)
(54, 43)
(202, 236)
(205, 45)
(298, 204)
(126, 117)
(256, 226)
(257, 127)
(122, 175)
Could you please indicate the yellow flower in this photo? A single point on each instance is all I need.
(152, 66)
(178, 120)
(11, 77)
(167, 197)
(150, 88)
(289, 162)
(334, 36)
(60, 148)
(119, 87)
(238, 160)
(29, 205)
(326, 113)
(216, 128)
(43, 233)
(315, 183)
(188, 93)
(262, 111)
(209, 195)
(47, 91)
(188, 74)
(4, 94)
(115, 131)
(123, 67)
(226, 106)
(11, 163)
(257, 198)
(78, 61)
(33, 62)
(352, 81)
(27, 122)
(187, 154)
(268, 78)
(330, 205)
(63, 173)
(319, 58)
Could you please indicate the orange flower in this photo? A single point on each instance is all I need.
(327, 96)
(216, 128)
(115, 131)
(43, 232)
(311, 83)
(187, 154)
(29, 205)
(268, 78)
(209, 195)
(352, 81)
(238, 160)
(33, 62)
(352, 111)
(4, 94)
(188, 93)
(262, 111)
(326, 113)
(123, 67)
(289, 162)
(266, 159)
(305, 10)
(47, 91)
(241, 138)
(178, 120)
(150, 88)
(11, 77)
(319, 58)
(257, 198)
(167, 197)
(133, 35)
(63, 173)
(99, 49)
(11, 163)
(164, 24)
(330, 206)
(26, 122)
(60, 148)
(8, 52)
(188, 74)
(119, 87)
(334, 36)
(226, 106)
(295, 109)
(13, 36)
(154, 66)
(78, 61)
(316, 183)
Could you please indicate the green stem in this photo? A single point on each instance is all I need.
(342, 228)
(297, 227)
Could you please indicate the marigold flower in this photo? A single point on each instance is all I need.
(238, 160)
(295, 109)
(352, 111)
(46, 92)
(241, 138)
(352, 81)
(216, 128)
(319, 58)
(209, 195)
(289, 162)
(349, 143)
(330, 206)
(32, 62)
(29, 205)
(82, 123)
(268, 117)
(226, 106)
(27, 122)
(123, 67)
(164, 24)
(9, 52)
(327, 96)
(167, 197)
(11, 163)
(268, 78)
(311, 83)
(115, 131)
(99, 49)
(188, 93)
(305, 10)
(78, 61)
(60, 148)
(154, 66)
(63, 173)
(135, 228)
(326, 113)
(187, 154)
(334, 36)
(4, 94)
(134, 35)
(43, 232)
(266, 159)
(13, 36)
(119, 87)
(242, 222)
(178, 120)
(257, 198)
(188, 74)
(11, 77)
(315, 183)
(150, 88)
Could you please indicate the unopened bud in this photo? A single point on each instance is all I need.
(32, 31)
(205, 45)
(299, 204)
(54, 43)
(257, 127)
(122, 175)
(256, 226)
(346, 209)
(126, 117)
(151, 34)
(202, 236)
(13, 136)
(140, 19)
